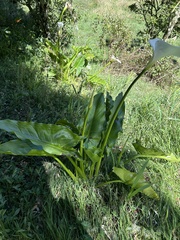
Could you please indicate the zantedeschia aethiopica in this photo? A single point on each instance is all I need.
(162, 49)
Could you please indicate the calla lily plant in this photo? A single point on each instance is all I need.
(86, 145)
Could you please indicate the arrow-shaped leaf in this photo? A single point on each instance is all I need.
(20, 147)
(54, 139)
(135, 181)
(155, 153)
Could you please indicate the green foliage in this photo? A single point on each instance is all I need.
(15, 29)
(114, 33)
(86, 147)
(158, 15)
(155, 153)
(73, 67)
(87, 144)
(69, 68)
(46, 14)
(136, 181)
(97, 132)
(55, 140)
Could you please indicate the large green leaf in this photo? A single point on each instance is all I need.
(26, 148)
(54, 139)
(65, 123)
(96, 80)
(111, 107)
(135, 181)
(155, 153)
(95, 121)
(20, 147)
(95, 154)
(77, 65)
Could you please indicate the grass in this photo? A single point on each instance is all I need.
(38, 200)
(43, 99)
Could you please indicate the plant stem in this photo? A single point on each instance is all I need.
(92, 170)
(118, 108)
(79, 170)
(108, 131)
(65, 168)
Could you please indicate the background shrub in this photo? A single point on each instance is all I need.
(114, 34)
(158, 16)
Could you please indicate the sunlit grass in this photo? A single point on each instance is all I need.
(38, 200)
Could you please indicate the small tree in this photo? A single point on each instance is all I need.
(160, 16)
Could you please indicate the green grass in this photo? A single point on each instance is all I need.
(39, 201)
(44, 99)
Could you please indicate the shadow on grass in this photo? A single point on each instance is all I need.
(142, 217)
(16, 28)
(28, 92)
(27, 208)
(27, 95)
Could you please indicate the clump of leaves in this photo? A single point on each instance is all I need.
(73, 66)
(67, 68)
(87, 145)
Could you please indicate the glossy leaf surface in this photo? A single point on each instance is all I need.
(155, 153)
(95, 120)
(54, 139)
(130, 178)
(20, 147)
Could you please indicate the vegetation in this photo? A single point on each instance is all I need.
(160, 17)
(45, 80)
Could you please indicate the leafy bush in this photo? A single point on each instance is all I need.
(161, 17)
(69, 67)
(73, 67)
(114, 34)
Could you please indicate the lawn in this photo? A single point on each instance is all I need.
(38, 200)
